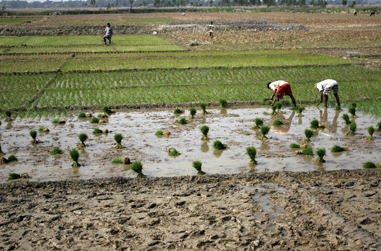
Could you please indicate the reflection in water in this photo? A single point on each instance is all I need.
(307, 158)
(203, 120)
(330, 128)
(217, 153)
(283, 129)
(9, 125)
(76, 172)
(252, 169)
(320, 167)
(224, 111)
(205, 147)
(265, 146)
(300, 121)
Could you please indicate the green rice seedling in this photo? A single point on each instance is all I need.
(258, 123)
(204, 130)
(218, 145)
(252, 152)
(353, 105)
(203, 108)
(14, 176)
(41, 128)
(118, 138)
(177, 111)
(94, 121)
(274, 110)
(300, 110)
(278, 122)
(137, 167)
(337, 149)
(173, 152)
(159, 133)
(97, 130)
(74, 154)
(182, 121)
(378, 126)
(321, 153)
(100, 115)
(55, 151)
(278, 106)
(264, 131)
(117, 161)
(352, 110)
(106, 110)
(223, 102)
(346, 119)
(8, 114)
(12, 158)
(55, 121)
(309, 133)
(81, 115)
(24, 175)
(197, 165)
(370, 131)
(293, 145)
(33, 134)
(314, 124)
(193, 112)
(369, 165)
(82, 138)
(352, 128)
(337, 108)
(308, 151)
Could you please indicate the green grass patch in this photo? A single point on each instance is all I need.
(4, 21)
(21, 66)
(11, 40)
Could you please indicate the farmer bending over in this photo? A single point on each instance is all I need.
(280, 89)
(211, 27)
(325, 87)
(108, 34)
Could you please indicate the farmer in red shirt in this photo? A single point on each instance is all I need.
(280, 89)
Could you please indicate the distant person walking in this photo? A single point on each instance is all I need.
(211, 28)
(108, 34)
(325, 88)
(280, 89)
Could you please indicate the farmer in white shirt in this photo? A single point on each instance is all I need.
(280, 88)
(326, 87)
(108, 34)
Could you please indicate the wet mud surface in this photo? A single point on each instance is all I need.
(230, 126)
(332, 210)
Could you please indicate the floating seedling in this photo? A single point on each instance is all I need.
(218, 145)
(346, 118)
(118, 138)
(252, 152)
(378, 126)
(12, 158)
(182, 121)
(258, 123)
(137, 167)
(300, 110)
(352, 110)
(197, 165)
(173, 152)
(159, 133)
(94, 120)
(278, 122)
(315, 124)
(337, 149)
(321, 153)
(223, 103)
(307, 151)
(293, 145)
(8, 114)
(74, 154)
(264, 131)
(33, 134)
(203, 108)
(178, 111)
(204, 130)
(193, 112)
(55, 121)
(82, 138)
(352, 128)
(106, 110)
(41, 129)
(97, 130)
(56, 151)
(370, 131)
(117, 161)
(309, 133)
(81, 115)
(369, 165)
(14, 176)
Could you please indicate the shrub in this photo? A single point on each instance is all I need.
(314, 124)
(174, 152)
(264, 131)
(371, 131)
(12, 158)
(336, 149)
(56, 151)
(117, 161)
(218, 145)
(204, 130)
(277, 122)
(321, 153)
(203, 108)
(41, 128)
(252, 152)
(81, 115)
(14, 176)
(193, 111)
(346, 119)
(309, 133)
(293, 145)
(106, 110)
(182, 121)
(82, 137)
(177, 111)
(137, 167)
(118, 138)
(369, 165)
(94, 120)
(352, 110)
(258, 123)
(223, 103)
(33, 134)
(308, 151)
(55, 121)
(197, 165)
(74, 154)
(8, 114)
(97, 130)
(159, 132)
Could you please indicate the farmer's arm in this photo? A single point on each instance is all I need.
(274, 94)
(276, 97)
(321, 96)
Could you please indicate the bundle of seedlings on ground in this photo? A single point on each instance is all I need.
(97, 130)
(117, 161)
(252, 152)
(203, 108)
(56, 121)
(41, 129)
(56, 151)
(315, 124)
(118, 138)
(74, 154)
(223, 103)
(182, 121)
(106, 110)
(8, 114)
(193, 112)
(352, 110)
(300, 110)
(369, 165)
(159, 133)
(173, 152)
(81, 115)
(258, 123)
(293, 145)
(370, 131)
(378, 126)
(306, 151)
(94, 120)
(278, 122)
(218, 145)
(346, 118)
(12, 158)
(14, 176)
(264, 131)
(178, 111)
(137, 167)
(33, 134)
(309, 133)
(197, 165)
(338, 108)
(204, 130)
(82, 138)
(321, 153)
(337, 149)
(352, 128)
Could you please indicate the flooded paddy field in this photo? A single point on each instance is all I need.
(231, 126)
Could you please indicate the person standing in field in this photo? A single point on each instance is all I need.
(108, 33)
(280, 89)
(211, 27)
(325, 88)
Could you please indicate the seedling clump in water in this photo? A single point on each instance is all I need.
(81, 115)
(55, 121)
(218, 145)
(204, 130)
(278, 122)
(137, 167)
(82, 138)
(370, 131)
(306, 151)
(352, 110)
(182, 121)
(118, 138)
(159, 133)
(12, 158)
(14, 176)
(193, 112)
(274, 109)
(173, 152)
(41, 128)
(352, 128)
(346, 119)
(264, 131)
(223, 103)
(177, 111)
(300, 110)
(8, 114)
(203, 108)
(258, 123)
(354, 105)
(56, 151)
(74, 154)
(278, 106)
(293, 145)
(197, 165)
(321, 153)
(336, 149)
(94, 120)
(97, 130)
(33, 134)
(309, 133)
(369, 165)
(315, 124)
(106, 110)
(338, 108)
(252, 152)
(117, 161)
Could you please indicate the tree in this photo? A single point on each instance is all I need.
(353, 4)
(3, 8)
(131, 2)
(344, 2)
(92, 2)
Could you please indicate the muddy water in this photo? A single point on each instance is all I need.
(231, 126)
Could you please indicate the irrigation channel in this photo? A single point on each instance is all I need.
(230, 126)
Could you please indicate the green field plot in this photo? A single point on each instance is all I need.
(149, 20)
(31, 66)
(62, 40)
(10, 41)
(12, 99)
(34, 56)
(16, 20)
(84, 48)
(138, 40)
(149, 48)
(20, 82)
(87, 64)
